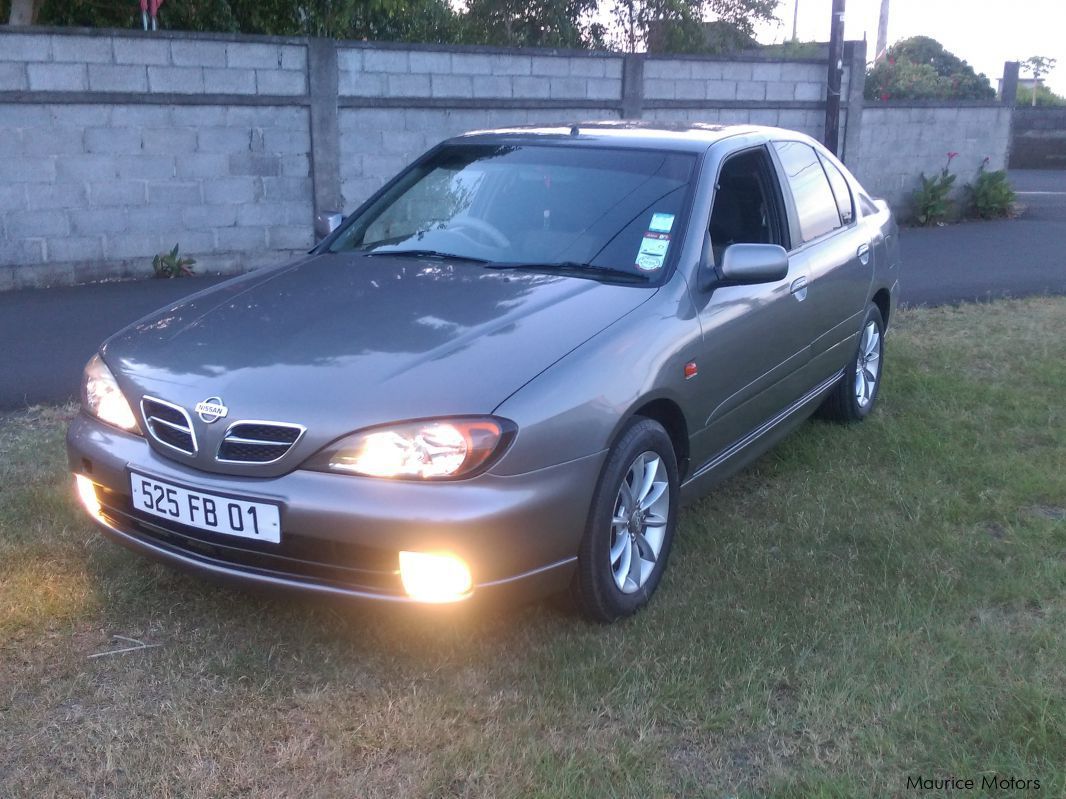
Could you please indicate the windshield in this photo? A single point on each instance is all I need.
(532, 205)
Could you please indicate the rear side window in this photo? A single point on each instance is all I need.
(815, 203)
(841, 191)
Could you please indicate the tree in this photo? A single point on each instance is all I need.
(1043, 97)
(920, 67)
(1039, 66)
(396, 20)
(681, 21)
(532, 23)
(24, 12)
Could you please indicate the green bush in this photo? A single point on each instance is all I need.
(1044, 97)
(920, 68)
(932, 200)
(169, 264)
(990, 196)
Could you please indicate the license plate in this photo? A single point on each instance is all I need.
(260, 521)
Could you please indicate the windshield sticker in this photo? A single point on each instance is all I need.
(661, 223)
(652, 252)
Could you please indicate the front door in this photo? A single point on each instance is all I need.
(754, 350)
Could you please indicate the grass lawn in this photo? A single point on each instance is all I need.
(864, 605)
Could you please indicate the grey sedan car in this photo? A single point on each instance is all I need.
(504, 372)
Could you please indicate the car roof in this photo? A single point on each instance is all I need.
(624, 134)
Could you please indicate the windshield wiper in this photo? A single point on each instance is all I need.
(572, 268)
(450, 256)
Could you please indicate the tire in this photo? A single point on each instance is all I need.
(616, 573)
(850, 400)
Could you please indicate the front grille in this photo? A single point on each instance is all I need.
(169, 424)
(258, 442)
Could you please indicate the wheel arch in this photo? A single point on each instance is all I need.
(883, 300)
(667, 412)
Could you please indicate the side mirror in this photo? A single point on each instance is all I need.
(326, 222)
(754, 263)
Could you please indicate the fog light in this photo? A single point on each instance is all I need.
(87, 494)
(434, 577)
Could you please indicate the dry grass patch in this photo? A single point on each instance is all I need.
(862, 605)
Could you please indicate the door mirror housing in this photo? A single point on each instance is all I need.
(326, 222)
(753, 263)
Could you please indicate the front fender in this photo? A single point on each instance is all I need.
(574, 409)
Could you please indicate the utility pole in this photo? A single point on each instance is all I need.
(795, 21)
(836, 65)
(882, 32)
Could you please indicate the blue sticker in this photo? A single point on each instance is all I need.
(661, 223)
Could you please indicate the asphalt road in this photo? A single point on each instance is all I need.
(47, 335)
(988, 260)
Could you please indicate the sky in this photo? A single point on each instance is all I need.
(984, 32)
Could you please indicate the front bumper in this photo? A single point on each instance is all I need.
(341, 535)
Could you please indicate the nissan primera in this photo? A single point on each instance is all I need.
(503, 372)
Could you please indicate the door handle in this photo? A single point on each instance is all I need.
(864, 254)
(799, 289)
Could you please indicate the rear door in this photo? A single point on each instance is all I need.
(833, 248)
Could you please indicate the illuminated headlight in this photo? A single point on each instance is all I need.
(437, 449)
(434, 577)
(102, 397)
(87, 494)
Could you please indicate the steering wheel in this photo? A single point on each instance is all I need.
(487, 229)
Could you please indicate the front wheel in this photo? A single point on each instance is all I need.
(855, 395)
(631, 524)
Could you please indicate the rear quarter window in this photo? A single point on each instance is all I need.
(841, 191)
(816, 206)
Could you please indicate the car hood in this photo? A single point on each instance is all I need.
(338, 342)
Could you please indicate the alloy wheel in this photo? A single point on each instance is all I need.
(868, 365)
(638, 526)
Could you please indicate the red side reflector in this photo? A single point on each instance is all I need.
(691, 370)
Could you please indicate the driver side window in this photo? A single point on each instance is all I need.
(431, 203)
(746, 208)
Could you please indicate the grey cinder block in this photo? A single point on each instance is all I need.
(82, 49)
(429, 62)
(57, 77)
(177, 80)
(145, 50)
(23, 47)
(13, 77)
(253, 56)
(118, 78)
(195, 53)
(280, 82)
(229, 81)
(510, 65)
(254, 164)
(392, 61)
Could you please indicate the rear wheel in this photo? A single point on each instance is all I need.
(855, 395)
(631, 524)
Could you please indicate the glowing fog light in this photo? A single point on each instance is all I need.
(434, 577)
(87, 494)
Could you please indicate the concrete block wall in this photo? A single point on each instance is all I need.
(118, 144)
(898, 142)
(727, 80)
(116, 147)
(375, 143)
(397, 103)
(1038, 138)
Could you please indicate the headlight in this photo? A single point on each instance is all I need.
(102, 397)
(436, 449)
